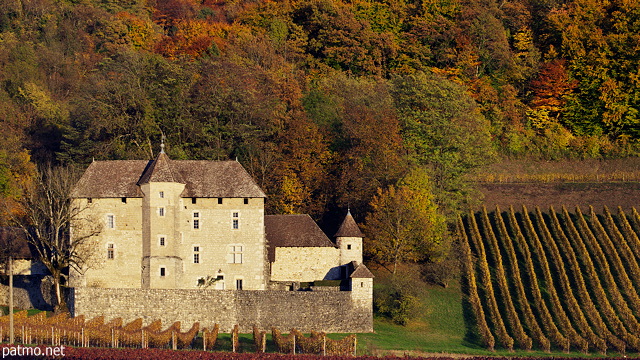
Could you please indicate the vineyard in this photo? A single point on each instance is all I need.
(60, 330)
(553, 280)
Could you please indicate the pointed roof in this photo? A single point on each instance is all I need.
(362, 272)
(349, 228)
(161, 170)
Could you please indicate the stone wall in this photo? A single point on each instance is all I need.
(304, 310)
(29, 292)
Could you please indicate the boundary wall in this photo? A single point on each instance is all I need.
(328, 311)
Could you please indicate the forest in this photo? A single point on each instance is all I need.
(382, 106)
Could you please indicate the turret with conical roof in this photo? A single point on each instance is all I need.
(349, 240)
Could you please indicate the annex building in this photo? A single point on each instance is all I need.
(168, 226)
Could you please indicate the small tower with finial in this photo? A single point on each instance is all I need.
(349, 240)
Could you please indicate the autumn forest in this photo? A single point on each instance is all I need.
(329, 104)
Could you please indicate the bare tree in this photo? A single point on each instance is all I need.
(50, 215)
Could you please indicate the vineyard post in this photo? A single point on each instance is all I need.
(324, 345)
(11, 333)
(204, 340)
(355, 344)
(113, 338)
(174, 346)
(53, 339)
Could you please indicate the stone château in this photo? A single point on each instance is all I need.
(168, 226)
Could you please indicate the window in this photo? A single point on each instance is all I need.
(111, 221)
(196, 254)
(161, 193)
(196, 220)
(161, 211)
(110, 251)
(163, 272)
(219, 201)
(238, 284)
(235, 223)
(89, 200)
(246, 201)
(162, 240)
(235, 254)
(193, 200)
(124, 200)
(348, 246)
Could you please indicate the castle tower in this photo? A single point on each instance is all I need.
(161, 186)
(349, 241)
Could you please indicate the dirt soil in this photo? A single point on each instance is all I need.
(624, 194)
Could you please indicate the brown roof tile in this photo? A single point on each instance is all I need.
(349, 228)
(161, 170)
(362, 272)
(120, 178)
(293, 231)
(111, 179)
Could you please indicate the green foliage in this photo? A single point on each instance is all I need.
(443, 130)
(398, 298)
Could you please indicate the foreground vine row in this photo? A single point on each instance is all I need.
(540, 278)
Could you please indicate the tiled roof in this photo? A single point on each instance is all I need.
(109, 179)
(160, 171)
(293, 231)
(362, 272)
(202, 178)
(349, 228)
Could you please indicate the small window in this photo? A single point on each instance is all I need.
(348, 246)
(236, 224)
(111, 221)
(124, 200)
(163, 272)
(238, 284)
(362, 284)
(161, 211)
(193, 200)
(196, 214)
(163, 241)
(196, 254)
(235, 214)
(246, 201)
(89, 200)
(196, 220)
(161, 193)
(219, 201)
(110, 251)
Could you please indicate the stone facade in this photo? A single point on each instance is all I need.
(306, 264)
(338, 312)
